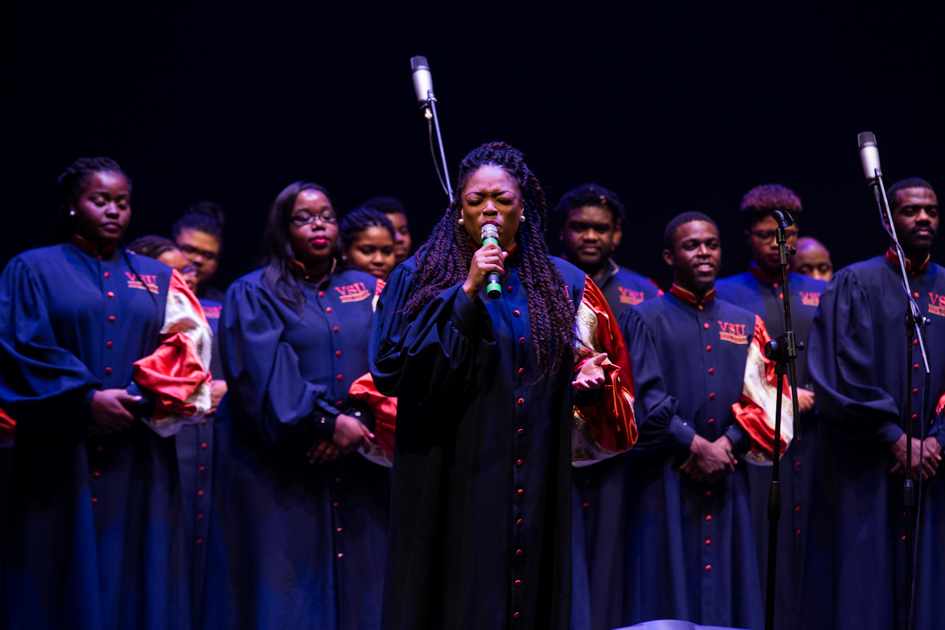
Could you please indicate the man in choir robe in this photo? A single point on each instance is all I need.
(858, 361)
(591, 219)
(760, 291)
(812, 259)
(706, 397)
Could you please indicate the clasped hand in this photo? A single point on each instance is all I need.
(349, 436)
(110, 411)
(931, 457)
(710, 461)
(591, 374)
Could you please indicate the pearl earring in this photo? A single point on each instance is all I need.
(461, 221)
(521, 218)
(72, 213)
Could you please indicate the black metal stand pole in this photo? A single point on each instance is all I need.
(908, 487)
(782, 351)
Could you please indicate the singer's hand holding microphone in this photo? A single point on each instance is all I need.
(487, 264)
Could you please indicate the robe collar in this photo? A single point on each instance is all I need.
(756, 271)
(92, 249)
(689, 297)
(893, 258)
(301, 267)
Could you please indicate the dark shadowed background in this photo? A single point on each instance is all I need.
(676, 108)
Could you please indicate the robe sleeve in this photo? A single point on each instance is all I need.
(286, 413)
(655, 409)
(848, 382)
(755, 411)
(177, 373)
(39, 378)
(438, 357)
(605, 427)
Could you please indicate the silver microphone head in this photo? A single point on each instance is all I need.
(869, 154)
(489, 230)
(422, 79)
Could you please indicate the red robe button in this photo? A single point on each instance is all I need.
(518, 522)
(109, 344)
(108, 371)
(519, 492)
(516, 615)
(700, 307)
(708, 493)
(110, 294)
(337, 353)
(708, 517)
(708, 567)
(711, 420)
(706, 326)
(337, 479)
(521, 431)
(111, 319)
(711, 370)
(915, 391)
(341, 555)
(335, 504)
(321, 294)
(341, 377)
(521, 370)
(335, 329)
(199, 493)
(712, 396)
(521, 340)
(203, 421)
(521, 401)
(708, 541)
(708, 348)
(903, 539)
(780, 296)
(518, 463)
(516, 313)
(94, 501)
(797, 508)
(200, 517)
(96, 474)
(585, 504)
(98, 448)
(200, 541)
(798, 532)
(775, 286)
(328, 310)
(797, 464)
(915, 342)
(915, 295)
(108, 275)
(519, 552)
(204, 446)
(509, 289)
(518, 582)
(914, 367)
(338, 530)
(202, 468)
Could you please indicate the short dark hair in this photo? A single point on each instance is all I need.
(591, 195)
(151, 245)
(385, 205)
(903, 184)
(761, 201)
(72, 182)
(359, 220)
(203, 216)
(669, 235)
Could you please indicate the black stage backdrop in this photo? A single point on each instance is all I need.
(676, 108)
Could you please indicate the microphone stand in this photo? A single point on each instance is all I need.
(433, 122)
(783, 351)
(914, 322)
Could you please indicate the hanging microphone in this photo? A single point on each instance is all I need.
(490, 236)
(869, 156)
(422, 80)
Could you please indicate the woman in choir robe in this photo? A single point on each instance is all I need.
(195, 441)
(299, 520)
(367, 242)
(103, 357)
(496, 397)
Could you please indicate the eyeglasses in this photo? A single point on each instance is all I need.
(189, 271)
(301, 220)
(190, 250)
(766, 235)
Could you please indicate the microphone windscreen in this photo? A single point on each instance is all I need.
(418, 62)
(422, 79)
(869, 155)
(489, 231)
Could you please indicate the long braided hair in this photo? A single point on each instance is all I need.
(444, 260)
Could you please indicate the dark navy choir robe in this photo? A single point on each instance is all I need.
(294, 544)
(623, 288)
(599, 514)
(95, 532)
(481, 507)
(858, 363)
(195, 459)
(798, 548)
(690, 546)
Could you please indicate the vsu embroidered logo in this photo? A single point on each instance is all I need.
(937, 305)
(734, 333)
(809, 298)
(630, 297)
(353, 292)
(149, 281)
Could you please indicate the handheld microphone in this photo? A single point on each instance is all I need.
(490, 236)
(869, 156)
(422, 80)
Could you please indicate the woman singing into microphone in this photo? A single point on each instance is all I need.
(497, 398)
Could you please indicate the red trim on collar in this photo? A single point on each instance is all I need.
(893, 257)
(689, 296)
(91, 248)
(756, 271)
